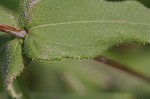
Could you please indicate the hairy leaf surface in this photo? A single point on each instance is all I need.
(83, 28)
(13, 63)
(6, 17)
(10, 50)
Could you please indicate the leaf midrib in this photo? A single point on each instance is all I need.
(81, 22)
(84, 22)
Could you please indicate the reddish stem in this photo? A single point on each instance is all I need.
(12, 31)
(121, 67)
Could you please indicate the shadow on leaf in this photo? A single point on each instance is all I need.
(11, 4)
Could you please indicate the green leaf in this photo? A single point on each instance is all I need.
(10, 52)
(13, 64)
(83, 28)
(3, 40)
(6, 17)
(23, 13)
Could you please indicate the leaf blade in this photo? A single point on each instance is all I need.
(83, 28)
(13, 63)
(7, 17)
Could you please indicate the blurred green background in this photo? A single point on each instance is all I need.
(86, 79)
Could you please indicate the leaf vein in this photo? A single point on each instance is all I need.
(83, 22)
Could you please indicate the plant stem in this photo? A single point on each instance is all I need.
(12, 31)
(121, 67)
